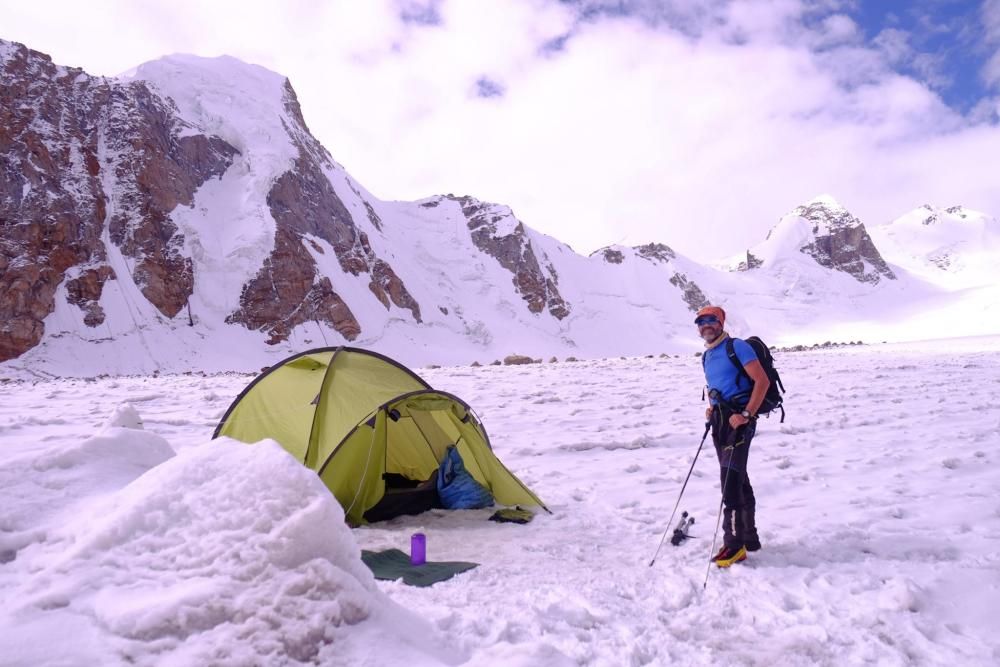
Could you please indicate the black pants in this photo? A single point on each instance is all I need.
(732, 446)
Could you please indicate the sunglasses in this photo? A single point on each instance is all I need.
(706, 319)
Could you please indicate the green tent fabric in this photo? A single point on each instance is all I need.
(393, 564)
(357, 418)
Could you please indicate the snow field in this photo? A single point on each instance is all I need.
(876, 506)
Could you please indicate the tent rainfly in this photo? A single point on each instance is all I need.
(373, 430)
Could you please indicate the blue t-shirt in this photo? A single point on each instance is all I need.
(722, 374)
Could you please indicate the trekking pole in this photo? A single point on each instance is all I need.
(718, 522)
(708, 426)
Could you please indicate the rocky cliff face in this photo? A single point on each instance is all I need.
(49, 219)
(153, 163)
(499, 234)
(82, 156)
(842, 243)
(92, 166)
(289, 289)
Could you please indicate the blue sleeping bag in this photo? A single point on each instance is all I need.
(457, 488)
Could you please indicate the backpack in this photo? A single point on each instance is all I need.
(773, 398)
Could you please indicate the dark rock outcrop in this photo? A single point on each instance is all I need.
(612, 256)
(287, 291)
(957, 211)
(842, 243)
(85, 290)
(514, 252)
(656, 251)
(752, 262)
(691, 293)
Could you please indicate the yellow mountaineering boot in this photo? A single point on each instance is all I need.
(728, 556)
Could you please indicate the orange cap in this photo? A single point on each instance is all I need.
(712, 310)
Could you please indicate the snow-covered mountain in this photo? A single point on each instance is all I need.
(821, 232)
(954, 247)
(183, 217)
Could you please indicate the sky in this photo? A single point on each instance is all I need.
(605, 122)
(131, 538)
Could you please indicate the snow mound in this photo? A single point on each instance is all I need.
(52, 486)
(225, 553)
(125, 416)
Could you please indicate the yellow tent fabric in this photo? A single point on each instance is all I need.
(353, 415)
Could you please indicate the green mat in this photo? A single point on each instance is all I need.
(392, 564)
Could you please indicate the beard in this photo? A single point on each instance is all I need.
(711, 334)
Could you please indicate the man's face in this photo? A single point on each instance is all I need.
(709, 327)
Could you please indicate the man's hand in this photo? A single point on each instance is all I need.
(708, 413)
(737, 420)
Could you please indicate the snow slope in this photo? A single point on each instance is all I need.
(800, 302)
(953, 247)
(130, 538)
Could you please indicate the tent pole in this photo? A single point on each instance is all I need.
(364, 474)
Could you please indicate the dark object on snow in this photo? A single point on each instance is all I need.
(708, 426)
(393, 564)
(516, 515)
(457, 488)
(680, 532)
(404, 496)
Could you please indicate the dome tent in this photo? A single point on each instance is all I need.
(373, 430)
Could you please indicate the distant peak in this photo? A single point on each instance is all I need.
(826, 214)
(223, 71)
(824, 200)
(929, 215)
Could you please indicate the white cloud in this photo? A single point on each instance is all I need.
(895, 44)
(991, 71)
(987, 110)
(990, 11)
(697, 127)
(838, 29)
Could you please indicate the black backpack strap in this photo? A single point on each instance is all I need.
(777, 379)
(731, 353)
(703, 363)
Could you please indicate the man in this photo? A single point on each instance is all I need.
(733, 415)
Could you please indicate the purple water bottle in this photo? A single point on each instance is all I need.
(418, 549)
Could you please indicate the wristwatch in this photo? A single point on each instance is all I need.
(746, 414)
